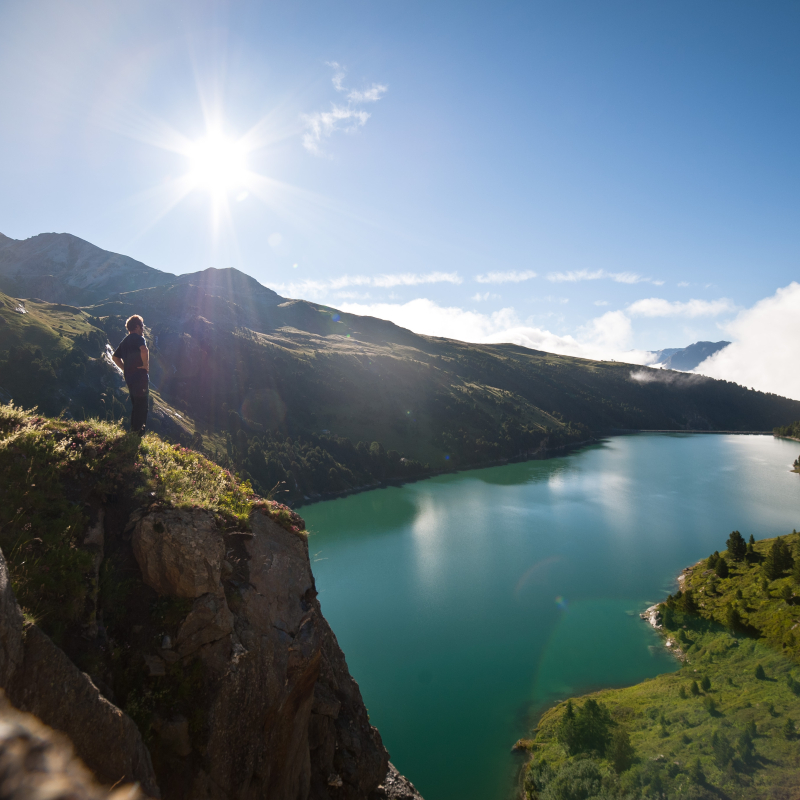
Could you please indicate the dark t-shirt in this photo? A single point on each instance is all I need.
(131, 356)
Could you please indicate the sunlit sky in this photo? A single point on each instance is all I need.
(589, 177)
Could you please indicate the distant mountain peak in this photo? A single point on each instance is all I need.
(687, 358)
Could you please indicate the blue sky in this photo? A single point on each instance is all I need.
(590, 177)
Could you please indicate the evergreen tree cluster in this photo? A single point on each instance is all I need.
(779, 560)
(681, 601)
(308, 465)
(736, 546)
(587, 730)
(791, 431)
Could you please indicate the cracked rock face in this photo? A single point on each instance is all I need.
(179, 552)
(40, 679)
(274, 714)
(36, 763)
(282, 714)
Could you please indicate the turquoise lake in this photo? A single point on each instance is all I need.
(467, 603)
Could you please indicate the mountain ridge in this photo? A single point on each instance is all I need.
(295, 392)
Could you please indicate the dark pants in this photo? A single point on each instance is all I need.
(139, 413)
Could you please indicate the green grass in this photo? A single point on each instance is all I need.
(56, 473)
(673, 730)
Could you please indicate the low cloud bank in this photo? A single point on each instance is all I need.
(667, 377)
(765, 346)
(605, 337)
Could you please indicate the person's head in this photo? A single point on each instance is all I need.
(134, 324)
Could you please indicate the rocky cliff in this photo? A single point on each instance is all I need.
(192, 656)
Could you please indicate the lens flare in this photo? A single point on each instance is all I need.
(217, 164)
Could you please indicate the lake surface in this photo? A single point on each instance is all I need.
(466, 603)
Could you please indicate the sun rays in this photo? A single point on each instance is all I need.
(217, 164)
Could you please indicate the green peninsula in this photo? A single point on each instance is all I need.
(725, 725)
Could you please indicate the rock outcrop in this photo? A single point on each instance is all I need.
(283, 718)
(397, 787)
(36, 763)
(179, 553)
(237, 683)
(39, 678)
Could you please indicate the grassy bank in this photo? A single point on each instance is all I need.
(725, 725)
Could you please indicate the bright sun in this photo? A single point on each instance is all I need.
(217, 164)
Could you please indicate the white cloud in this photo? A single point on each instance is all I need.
(601, 302)
(513, 276)
(412, 279)
(323, 124)
(657, 307)
(668, 377)
(574, 276)
(765, 348)
(315, 289)
(371, 95)
(683, 284)
(603, 338)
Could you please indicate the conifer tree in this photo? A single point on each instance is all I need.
(694, 689)
(788, 729)
(796, 571)
(745, 746)
(737, 547)
(721, 568)
(705, 684)
(733, 619)
(723, 752)
(772, 563)
(786, 558)
(622, 752)
(711, 561)
(689, 603)
(760, 674)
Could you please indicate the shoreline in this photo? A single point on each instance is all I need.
(539, 454)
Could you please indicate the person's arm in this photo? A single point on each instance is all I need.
(119, 362)
(145, 353)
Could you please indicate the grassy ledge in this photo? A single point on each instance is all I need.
(56, 474)
(724, 726)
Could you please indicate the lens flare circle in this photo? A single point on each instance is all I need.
(217, 163)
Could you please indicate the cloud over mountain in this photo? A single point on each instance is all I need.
(765, 347)
(605, 337)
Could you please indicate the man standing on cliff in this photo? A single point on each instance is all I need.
(133, 358)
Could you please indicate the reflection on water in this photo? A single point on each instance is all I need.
(463, 599)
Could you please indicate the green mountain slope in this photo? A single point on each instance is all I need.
(727, 724)
(324, 401)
